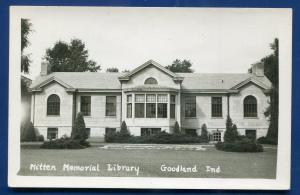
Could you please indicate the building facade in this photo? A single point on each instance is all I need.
(150, 99)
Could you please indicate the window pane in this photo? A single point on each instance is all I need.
(110, 130)
(162, 110)
(139, 98)
(85, 106)
(216, 107)
(250, 107)
(139, 110)
(111, 104)
(150, 110)
(88, 132)
(53, 105)
(52, 133)
(190, 106)
(129, 110)
(172, 98)
(151, 98)
(172, 110)
(217, 136)
(151, 81)
(129, 98)
(162, 98)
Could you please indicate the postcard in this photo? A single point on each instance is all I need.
(150, 97)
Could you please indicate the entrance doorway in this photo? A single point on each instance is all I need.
(150, 131)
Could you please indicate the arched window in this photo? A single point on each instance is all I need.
(53, 105)
(151, 81)
(250, 106)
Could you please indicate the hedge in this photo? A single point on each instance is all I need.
(65, 143)
(160, 138)
(267, 140)
(239, 146)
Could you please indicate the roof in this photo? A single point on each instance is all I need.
(81, 80)
(198, 82)
(220, 81)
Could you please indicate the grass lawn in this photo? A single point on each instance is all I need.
(149, 161)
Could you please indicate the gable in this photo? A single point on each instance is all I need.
(163, 80)
(150, 64)
(252, 81)
(49, 81)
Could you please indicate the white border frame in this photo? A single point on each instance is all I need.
(282, 181)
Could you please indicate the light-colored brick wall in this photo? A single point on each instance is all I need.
(39, 116)
(203, 110)
(97, 122)
(163, 79)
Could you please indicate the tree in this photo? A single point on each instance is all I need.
(113, 69)
(27, 132)
(73, 57)
(231, 133)
(204, 133)
(180, 66)
(271, 69)
(177, 128)
(78, 130)
(26, 28)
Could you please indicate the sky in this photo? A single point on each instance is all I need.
(214, 40)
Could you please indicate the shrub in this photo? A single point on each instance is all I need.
(65, 143)
(117, 137)
(78, 131)
(40, 138)
(204, 133)
(245, 145)
(124, 131)
(267, 140)
(177, 128)
(231, 133)
(28, 132)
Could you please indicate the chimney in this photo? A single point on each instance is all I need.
(258, 69)
(45, 68)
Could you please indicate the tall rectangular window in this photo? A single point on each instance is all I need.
(85, 105)
(190, 106)
(111, 105)
(162, 106)
(129, 106)
(216, 106)
(139, 106)
(150, 106)
(172, 106)
(88, 132)
(52, 133)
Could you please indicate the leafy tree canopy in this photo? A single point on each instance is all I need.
(180, 66)
(73, 57)
(113, 69)
(271, 71)
(26, 28)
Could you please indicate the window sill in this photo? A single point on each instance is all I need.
(87, 116)
(110, 116)
(190, 117)
(255, 117)
(53, 115)
(218, 117)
